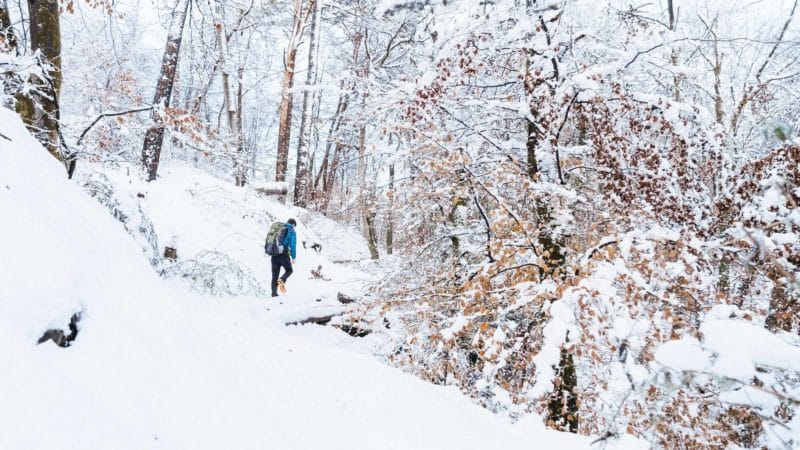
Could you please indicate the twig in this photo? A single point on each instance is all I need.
(777, 43)
(558, 135)
(486, 221)
(517, 267)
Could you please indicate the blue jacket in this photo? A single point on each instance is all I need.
(290, 240)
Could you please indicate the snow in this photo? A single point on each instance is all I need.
(740, 346)
(555, 334)
(730, 348)
(155, 366)
(458, 324)
(683, 355)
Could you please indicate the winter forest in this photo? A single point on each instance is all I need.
(520, 224)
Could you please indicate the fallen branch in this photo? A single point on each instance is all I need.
(273, 190)
(321, 320)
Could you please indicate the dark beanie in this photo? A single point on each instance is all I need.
(292, 222)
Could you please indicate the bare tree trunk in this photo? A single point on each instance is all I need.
(362, 168)
(336, 123)
(371, 235)
(301, 178)
(8, 40)
(390, 213)
(673, 57)
(719, 113)
(366, 203)
(329, 178)
(312, 164)
(8, 43)
(532, 137)
(153, 139)
(241, 170)
(285, 109)
(227, 96)
(364, 200)
(40, 112)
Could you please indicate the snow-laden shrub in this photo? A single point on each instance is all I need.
(547, 284)
(215, 273)
(127, 210)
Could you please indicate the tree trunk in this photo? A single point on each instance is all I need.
(241, 172)
(390, 213)
(324, 167)
(285, 109)
(330, 176)
(8, 40)
(676, 78)
(371, 235)
(227, 96)
(301, 178)
(532, 138)
(153, 139)
(41, 113)
(364, 202)
(562, 409)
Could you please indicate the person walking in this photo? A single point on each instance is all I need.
(283, 249)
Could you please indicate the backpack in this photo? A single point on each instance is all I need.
(273, 245)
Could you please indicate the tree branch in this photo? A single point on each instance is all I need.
(110, 114)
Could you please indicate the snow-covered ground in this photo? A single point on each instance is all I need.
(157, 366)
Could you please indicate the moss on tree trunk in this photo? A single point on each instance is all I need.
(40, 113)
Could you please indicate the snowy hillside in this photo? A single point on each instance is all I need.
(512, 216)
(154, 366)
(215, 226)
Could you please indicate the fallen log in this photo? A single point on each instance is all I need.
(278, 188)
(320, 320)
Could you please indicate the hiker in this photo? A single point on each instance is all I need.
(281, 244)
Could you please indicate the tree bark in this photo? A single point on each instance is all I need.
(231, 109)
(285, 109)
(8, 39)
(532, 137)
(40, 112)
(301, 178)
(365, 202)
(241, 172)
(390, 213)
(154, 138)
(324, 167)
(369, 231)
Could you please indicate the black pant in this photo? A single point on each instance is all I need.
(278, 262)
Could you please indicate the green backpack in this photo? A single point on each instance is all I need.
(273, 245)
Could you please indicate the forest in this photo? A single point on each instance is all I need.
(581, 211)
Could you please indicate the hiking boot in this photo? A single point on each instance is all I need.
(282, 286)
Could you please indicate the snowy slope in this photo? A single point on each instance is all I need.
(197, 213)
(156, 367)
